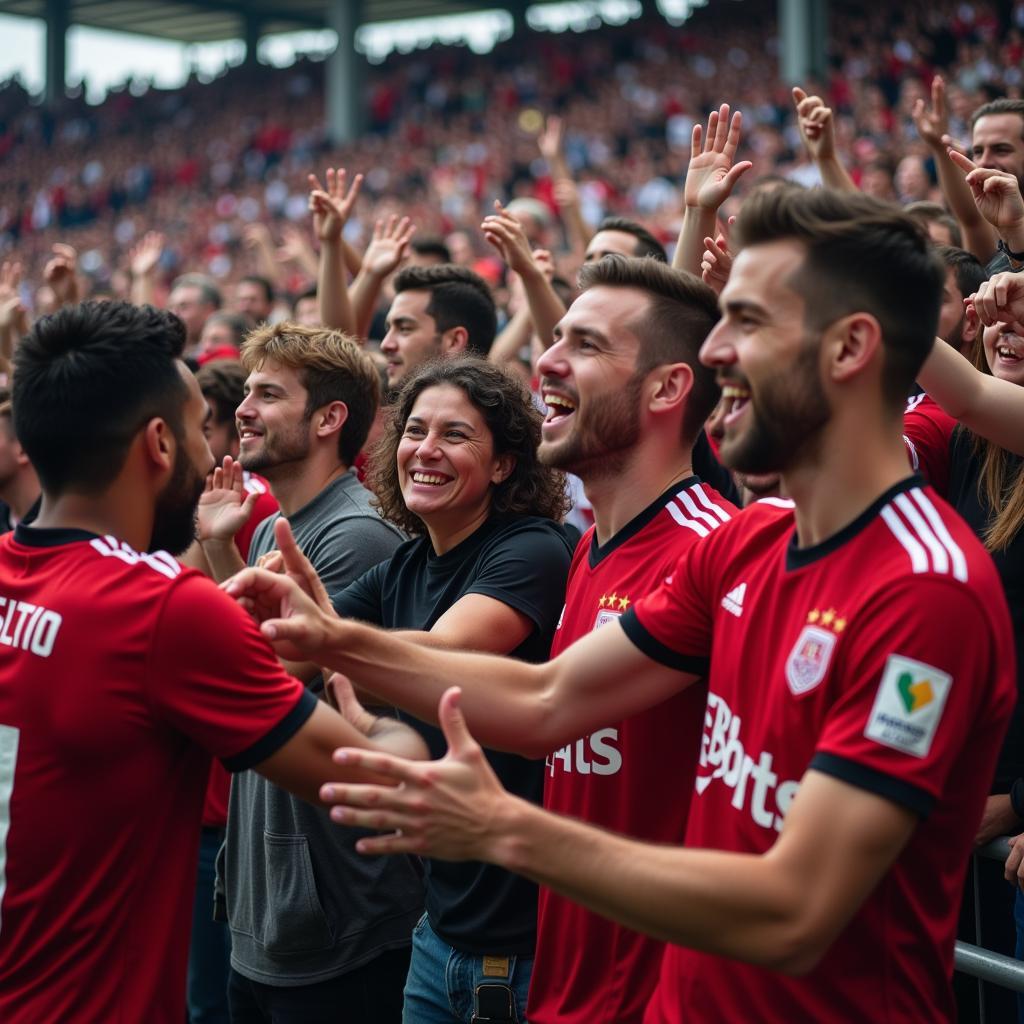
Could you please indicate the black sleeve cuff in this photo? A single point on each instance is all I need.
(657, 651)
(274, 740)
(899, 792)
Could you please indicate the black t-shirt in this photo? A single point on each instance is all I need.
(522, 562)
(964, 470)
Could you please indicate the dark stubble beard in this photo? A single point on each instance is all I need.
(603, 438)
(786, 418)
(174, 519)
(278, 450)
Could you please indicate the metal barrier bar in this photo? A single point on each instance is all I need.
(989, 966)
(984, 964)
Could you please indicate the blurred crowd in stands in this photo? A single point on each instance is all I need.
(220, 168)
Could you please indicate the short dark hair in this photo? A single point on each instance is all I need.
(431, 245)
(261, 282)
(458, 298)
(862, 255)
(332, 368)
(238, 325)
(646, 243)
(531, 489)
(1003, 105)
(222, 383)
(680, 314)
(86, 379)
(970, 275)
(208, 289)
(925, 213)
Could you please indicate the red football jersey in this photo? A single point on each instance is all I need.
(589, 970)
(927, 430)
(120, 674)
(883, 657)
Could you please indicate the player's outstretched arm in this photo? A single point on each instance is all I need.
(299, 764)
(781, 910)
(512, 705)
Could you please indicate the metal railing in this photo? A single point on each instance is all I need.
(985, 964)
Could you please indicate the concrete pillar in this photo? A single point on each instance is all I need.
(517, 9)
(252, 26)
(803, 33)
(58, 17)
(345, 102)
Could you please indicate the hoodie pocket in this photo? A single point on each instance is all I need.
(295, 921)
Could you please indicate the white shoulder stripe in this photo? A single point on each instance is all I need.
(940, 557)
(918, 555)
(924, 536)
(931, 513)
(677, 514)
(915, 462)
(698, 513)
(160, 561)
(701, 494)
(777, 502)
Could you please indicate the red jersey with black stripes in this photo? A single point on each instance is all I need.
(634, 776)
(120, 674)
(883, 657)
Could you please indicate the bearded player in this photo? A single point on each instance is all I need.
(120, 674)
(859, 658)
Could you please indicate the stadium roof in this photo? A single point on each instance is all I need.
(204, 21)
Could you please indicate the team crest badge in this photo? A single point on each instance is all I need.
(605, 616)
(809, 660)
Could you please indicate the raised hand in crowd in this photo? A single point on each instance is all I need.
(506, 234)
(517, 336)
(331, 207)
(61, 275)
(932, 123)
(564, 190)
(1000, 299)
(143, 260)
(998, 199)
(710, 178)
(13, 315)
(818, 131)
(383, 256)
(295, 248)
(716, 262)
(987, 405)
(1013, 871)
(224, 508)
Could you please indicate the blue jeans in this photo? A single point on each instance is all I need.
(209, 956)
(442, 981)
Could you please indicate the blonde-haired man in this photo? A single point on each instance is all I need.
(313, 925)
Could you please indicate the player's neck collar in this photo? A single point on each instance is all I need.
(34, 537)
(797, 557)
(637, 523)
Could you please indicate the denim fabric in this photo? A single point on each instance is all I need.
(442, 981)
(209, 956)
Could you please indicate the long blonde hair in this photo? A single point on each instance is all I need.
(1000, 484)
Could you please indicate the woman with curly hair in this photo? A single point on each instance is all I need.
(485, 570)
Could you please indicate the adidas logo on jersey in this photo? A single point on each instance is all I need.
(733, 601)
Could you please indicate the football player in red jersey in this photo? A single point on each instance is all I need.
(120, 674)
(859, 660)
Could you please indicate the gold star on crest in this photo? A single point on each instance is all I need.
(813, 616)
(603, 602)
(839, 625)
(624, 603)
(826, 619)
(613, 600)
